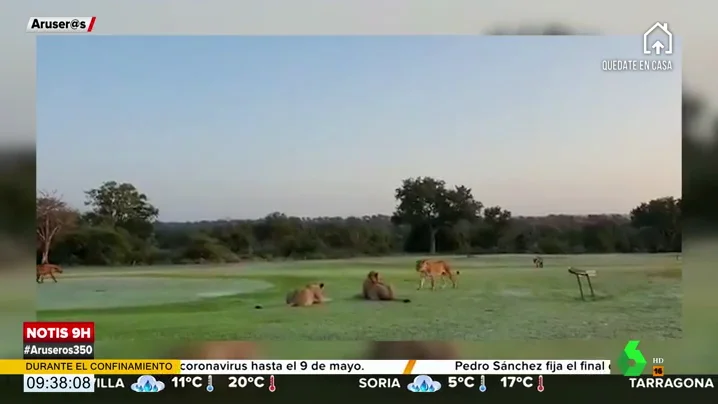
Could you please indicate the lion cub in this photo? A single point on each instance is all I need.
(374, 289)
(311, 294)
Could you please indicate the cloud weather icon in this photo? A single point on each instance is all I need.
(147, 384)
(424, 384)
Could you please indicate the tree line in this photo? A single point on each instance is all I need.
(120, 227)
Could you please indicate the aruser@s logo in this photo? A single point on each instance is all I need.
(631, 354)
(424, 384)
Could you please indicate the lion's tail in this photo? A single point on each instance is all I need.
(452, 275)
(401, 300)
(393, 298)
(448, 270)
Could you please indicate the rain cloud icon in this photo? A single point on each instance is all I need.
(424, 384)
(147, 384)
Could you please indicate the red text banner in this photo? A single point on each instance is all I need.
(58, 332)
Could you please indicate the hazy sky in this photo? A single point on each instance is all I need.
(215, 127)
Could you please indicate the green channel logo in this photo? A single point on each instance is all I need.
(631, 353)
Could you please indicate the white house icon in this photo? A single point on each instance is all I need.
(657, 46)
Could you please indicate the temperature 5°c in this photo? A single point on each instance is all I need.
(467, 381)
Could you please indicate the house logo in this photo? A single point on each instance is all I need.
(658, 40)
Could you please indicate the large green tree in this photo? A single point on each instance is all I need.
(427, 202)
(495, 221)
(659, 219)
(121, 206)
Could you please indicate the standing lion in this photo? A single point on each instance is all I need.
(431, 269)
(44, 270)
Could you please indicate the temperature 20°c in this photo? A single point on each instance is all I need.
(244, 381)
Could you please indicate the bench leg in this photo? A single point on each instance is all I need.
(588, 278)
(580, 288)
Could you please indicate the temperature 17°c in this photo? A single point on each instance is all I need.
(511, 381)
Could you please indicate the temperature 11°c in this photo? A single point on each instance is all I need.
(187, 381)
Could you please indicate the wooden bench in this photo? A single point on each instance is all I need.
(586, 274)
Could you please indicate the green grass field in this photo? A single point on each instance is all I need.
(500, 299)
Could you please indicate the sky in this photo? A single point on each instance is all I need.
(239, 127)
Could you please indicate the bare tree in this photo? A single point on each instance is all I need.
(52, 216)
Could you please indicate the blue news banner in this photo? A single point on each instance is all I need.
(330, 388)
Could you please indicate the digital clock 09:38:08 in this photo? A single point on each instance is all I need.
(58, 383)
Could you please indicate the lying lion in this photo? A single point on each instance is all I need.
(374, 289)
(311, 294)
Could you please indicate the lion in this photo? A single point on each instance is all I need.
(374, 289)
(44, 270)
(433, 268)
(309, 295)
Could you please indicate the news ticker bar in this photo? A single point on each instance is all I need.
(309, 367)
(332, 388)
(58, 350)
